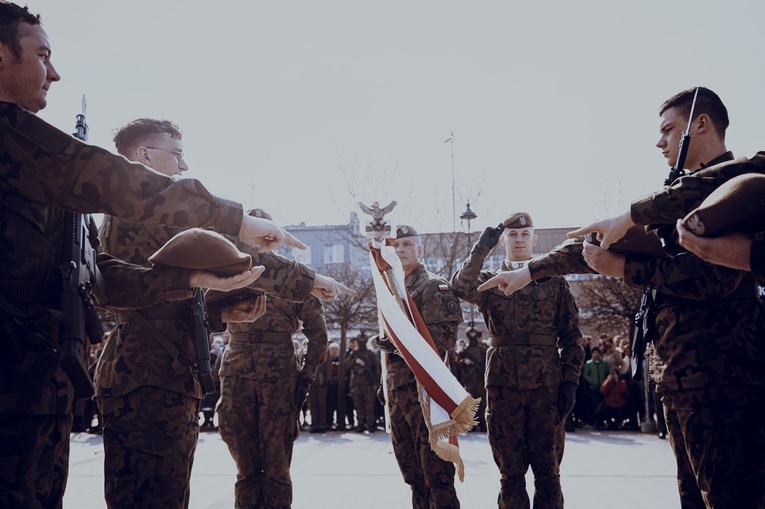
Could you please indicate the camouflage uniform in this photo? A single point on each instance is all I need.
(430, 478)
(707, 330)
(150, 395)
(43, 171)
(256, 414)
(364, 382)
(318, 398)
(533, 350)
(472, 375)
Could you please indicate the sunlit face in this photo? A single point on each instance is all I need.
(671, 128)
(519, 243)
(163, 154)
(408, 250)
(26, 80)
(334, 350)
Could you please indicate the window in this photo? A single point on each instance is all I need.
(334, 253)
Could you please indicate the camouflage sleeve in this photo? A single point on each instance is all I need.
(283, 278)
(757, 261)
(687, 193)
(684, 275)
(51, 167)
(562, 260)
(441, 312)
(141, 287)
(466, 280)
(571, 352)
(315, 330)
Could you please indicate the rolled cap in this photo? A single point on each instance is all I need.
(738, 205)
(404, 230)
(199, 249)
(260, 213)
(518, 220)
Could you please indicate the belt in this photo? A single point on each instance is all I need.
(21, 290)
(169, 311)
(260, 337)
(524, 340)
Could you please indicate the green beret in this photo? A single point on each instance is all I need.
(404, 230)
(518, 220)
(199, 249)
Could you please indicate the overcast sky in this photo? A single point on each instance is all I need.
(305, 108)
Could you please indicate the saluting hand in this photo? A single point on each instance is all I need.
(245, 311)
(608, 230)
(508, 282)
(204, 279)
(265, 235)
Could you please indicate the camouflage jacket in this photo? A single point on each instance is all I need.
(132, 347)
(273, 360)
(369, 373)
(542, 308)
(43, 171)
(440, 310)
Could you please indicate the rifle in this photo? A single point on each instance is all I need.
(81, 287)
(202, 341)
(677, 170)
(643, 333)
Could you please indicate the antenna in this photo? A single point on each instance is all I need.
(454, 198)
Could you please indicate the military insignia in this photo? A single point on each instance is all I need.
(404, 230)
(258, 213)
(522, 220)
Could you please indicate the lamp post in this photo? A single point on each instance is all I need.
(468, 216)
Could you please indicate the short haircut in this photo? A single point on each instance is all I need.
(11, 18)
(142, 130)
(595, 349)
(707, 103)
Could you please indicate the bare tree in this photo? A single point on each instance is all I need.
(606, 304)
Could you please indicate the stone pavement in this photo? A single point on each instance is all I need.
(346, 470)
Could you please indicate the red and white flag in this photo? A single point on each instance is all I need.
(447, 407)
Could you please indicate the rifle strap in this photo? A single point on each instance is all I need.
(165, 343)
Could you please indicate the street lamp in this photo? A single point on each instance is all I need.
(468, 216)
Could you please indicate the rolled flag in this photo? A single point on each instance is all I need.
(447, 407)
(738, 205)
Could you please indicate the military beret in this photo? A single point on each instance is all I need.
(404, 230)
(200, 249)
(518, 220)
(260, 213)
(737, 205)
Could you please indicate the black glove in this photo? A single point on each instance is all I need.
(301, 390)
(566, 399)
(385, 344)
(381, 394)
(490, 236)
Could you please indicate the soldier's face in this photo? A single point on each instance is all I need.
(519, 243)
(408, 251)
(163, 154)
(26, 80)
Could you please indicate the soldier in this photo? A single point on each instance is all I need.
(472, 364)
(365, 376)
(430, 478)
(263, 387)
(707, 323)
(318, 396)
(44, 172)
(532, 368)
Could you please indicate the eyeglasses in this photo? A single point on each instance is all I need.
(178, 155)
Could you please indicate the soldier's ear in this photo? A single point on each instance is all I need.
(705, 123)
(142, 156)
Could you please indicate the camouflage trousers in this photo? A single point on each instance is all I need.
(718, 437)
(258, 423)
(525, 430)
(34, 460)
(430, 478)
(150, 436)
(364, 397)
(317, 404)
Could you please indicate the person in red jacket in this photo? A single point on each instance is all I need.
(614, 391)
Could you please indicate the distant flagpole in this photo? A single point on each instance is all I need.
(454, 199)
